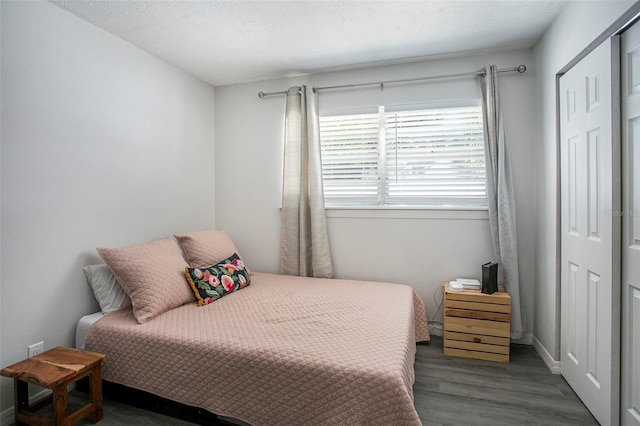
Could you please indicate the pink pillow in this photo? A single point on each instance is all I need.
(152, 275)
(205, 248)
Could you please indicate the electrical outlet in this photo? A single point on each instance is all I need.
(35, 349)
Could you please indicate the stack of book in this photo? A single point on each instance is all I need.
(469, 284)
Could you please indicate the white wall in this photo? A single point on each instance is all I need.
(418, 248)
(102, 145)
(572, 31)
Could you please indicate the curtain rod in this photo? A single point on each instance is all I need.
(520, 69)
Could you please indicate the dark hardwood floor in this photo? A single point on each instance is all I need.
(460, 391)
(448, 391)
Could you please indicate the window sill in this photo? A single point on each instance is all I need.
(407, 213)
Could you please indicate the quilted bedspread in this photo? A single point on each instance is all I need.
(283, 351)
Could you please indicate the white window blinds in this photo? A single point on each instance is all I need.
(350, 157)
(424, 158)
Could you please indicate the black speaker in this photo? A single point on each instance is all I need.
(489, 277)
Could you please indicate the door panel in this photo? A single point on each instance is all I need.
(630, 214)
(589, 274)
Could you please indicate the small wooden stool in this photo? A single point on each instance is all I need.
(56, 369)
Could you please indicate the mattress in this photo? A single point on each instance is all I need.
(283, 351)
(84, 324)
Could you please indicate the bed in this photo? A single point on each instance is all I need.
(281, 351)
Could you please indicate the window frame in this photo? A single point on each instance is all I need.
(443, 211)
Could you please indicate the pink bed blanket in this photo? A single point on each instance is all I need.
(283, 351)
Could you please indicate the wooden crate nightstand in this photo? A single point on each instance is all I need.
(477, 325)
(56, 369)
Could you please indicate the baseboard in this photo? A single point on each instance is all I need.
(524, 340)
(7, 417)
(552, 364)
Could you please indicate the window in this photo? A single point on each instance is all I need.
(431, 158)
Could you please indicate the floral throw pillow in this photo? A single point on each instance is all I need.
(210, 284)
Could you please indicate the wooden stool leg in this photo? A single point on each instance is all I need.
(21, 398)
(60, 405)
(95, 393)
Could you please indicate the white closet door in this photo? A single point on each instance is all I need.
(590, 318)
(630, 99)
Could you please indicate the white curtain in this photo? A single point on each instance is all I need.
(502, 209)
(304, 241)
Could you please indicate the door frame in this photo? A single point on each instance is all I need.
(629, 18)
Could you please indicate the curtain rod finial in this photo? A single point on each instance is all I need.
(521, 68)
(261, 95)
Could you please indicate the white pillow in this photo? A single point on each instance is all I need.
(108, 292)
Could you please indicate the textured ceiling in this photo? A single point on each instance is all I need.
(226, 42)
